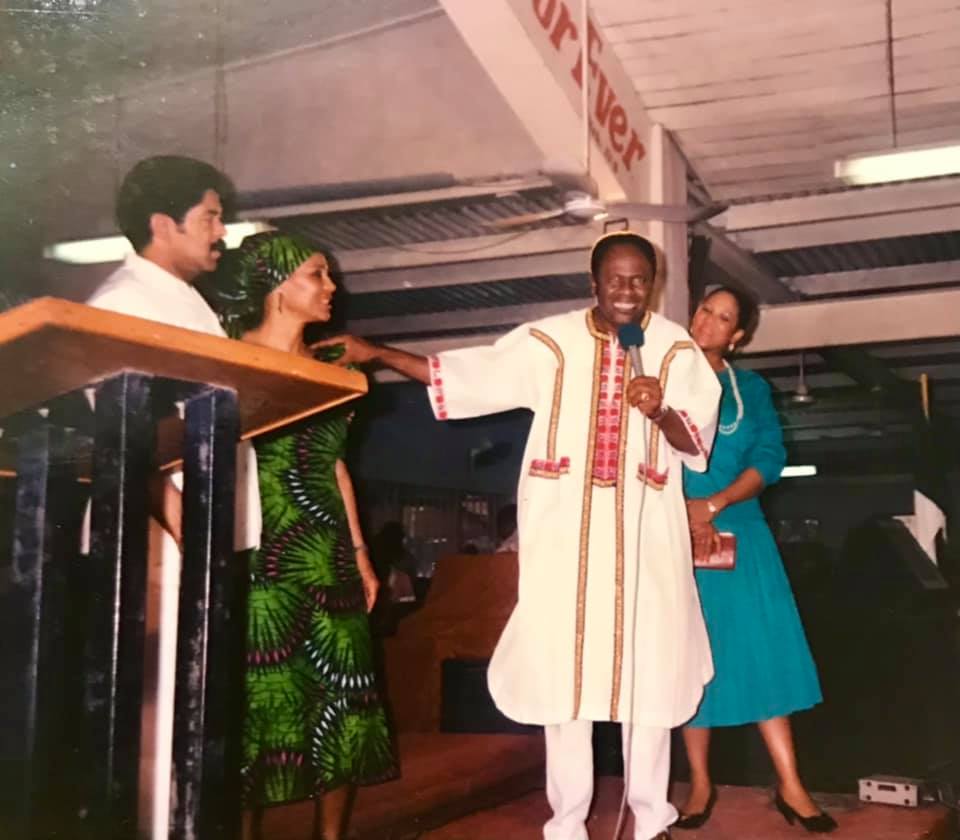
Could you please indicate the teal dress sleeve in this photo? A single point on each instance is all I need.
(766, 453)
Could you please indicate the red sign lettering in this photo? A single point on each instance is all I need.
(635, 150)
(563, 28)
(607, 112)
(544, 15)
(617, 126)
(594, 47)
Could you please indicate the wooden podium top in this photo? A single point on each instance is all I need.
(50, 347)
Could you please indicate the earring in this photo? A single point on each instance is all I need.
(731, 347)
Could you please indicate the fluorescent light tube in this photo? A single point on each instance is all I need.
(901, 165)
(107, 249)
(798, 471)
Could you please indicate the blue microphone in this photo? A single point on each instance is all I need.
(631, 337)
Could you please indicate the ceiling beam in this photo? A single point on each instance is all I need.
(846, 216)
(570, 261)
(860, 203)
(519, 243)
(742, 267)
(464, 319)
(908, 316)
(266, 206)
(854, 229)
(875, 279)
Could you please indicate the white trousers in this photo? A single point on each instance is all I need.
(159, 676)
(646, 752)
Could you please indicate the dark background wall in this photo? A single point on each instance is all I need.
(396, 439)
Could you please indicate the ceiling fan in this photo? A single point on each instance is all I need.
(581, 204)
(581, 201)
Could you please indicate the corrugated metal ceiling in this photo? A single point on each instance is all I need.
(435, 221)
(873, 253)
(467, 296)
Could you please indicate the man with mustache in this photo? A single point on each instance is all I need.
(172, 210)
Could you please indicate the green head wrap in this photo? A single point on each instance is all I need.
(248, 274)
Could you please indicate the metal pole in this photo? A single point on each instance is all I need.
(124, 443)
(210, 632)
(33, 706)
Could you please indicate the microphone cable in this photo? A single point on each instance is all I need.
(627, 742)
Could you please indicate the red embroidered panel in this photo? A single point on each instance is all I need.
(606, 457)
(436, 380)
(694, 432)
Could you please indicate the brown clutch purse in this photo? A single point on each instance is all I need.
(724, 558)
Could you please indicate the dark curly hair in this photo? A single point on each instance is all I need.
(246, 275)
(609, 241)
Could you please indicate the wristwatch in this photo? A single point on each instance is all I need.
(714, 510)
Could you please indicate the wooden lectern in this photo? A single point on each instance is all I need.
(70, 723)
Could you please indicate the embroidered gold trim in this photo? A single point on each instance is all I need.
(585, 532)
(557, 395)
(596, 332)
(592, 327)
(618, 577)
(654, 446)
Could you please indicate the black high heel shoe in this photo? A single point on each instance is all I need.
(821, 823)
(697, 820)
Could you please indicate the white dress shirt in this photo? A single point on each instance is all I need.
(145, 290)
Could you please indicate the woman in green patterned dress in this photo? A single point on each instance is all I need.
(315, 724)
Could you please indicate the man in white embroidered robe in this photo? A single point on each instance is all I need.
(607, 624)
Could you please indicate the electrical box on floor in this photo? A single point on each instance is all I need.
(890, 790)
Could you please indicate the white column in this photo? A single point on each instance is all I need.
(668, 185)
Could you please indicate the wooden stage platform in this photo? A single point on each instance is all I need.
(741, 814)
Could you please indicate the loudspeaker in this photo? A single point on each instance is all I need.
(884, 564)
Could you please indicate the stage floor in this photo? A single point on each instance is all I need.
(741, 813)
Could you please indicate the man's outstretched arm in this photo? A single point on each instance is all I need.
(359, 351)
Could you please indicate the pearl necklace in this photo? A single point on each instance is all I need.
(730, 428)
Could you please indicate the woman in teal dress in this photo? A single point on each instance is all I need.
(763, 667)
(315, 724)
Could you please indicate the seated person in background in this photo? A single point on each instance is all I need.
(395, 566)
(507, 539)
